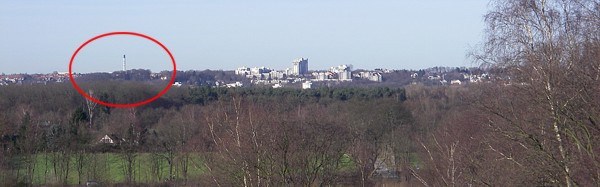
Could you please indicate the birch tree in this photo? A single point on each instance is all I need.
(550, 49)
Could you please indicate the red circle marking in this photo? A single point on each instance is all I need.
(122, 105)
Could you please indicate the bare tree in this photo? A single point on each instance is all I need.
(550, 49)
(91, 107)
(28, 143)
(274, 144)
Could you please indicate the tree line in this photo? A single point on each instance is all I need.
(280, 136)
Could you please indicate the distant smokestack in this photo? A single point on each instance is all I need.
(124, 63)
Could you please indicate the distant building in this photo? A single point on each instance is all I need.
(372, 76)
(242, 71)
(300, 66)
(307, 85)
(277, 74)
(108, 140)
(258, 71)
(377, 77)
(233, 85)
(345, 75)
(344, 72)
(436, 77)
(322, 76)
(414, 75)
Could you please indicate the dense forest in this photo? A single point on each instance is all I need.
(537, 127)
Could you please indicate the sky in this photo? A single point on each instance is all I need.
(39, 36)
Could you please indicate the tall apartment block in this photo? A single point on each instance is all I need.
(300, 66)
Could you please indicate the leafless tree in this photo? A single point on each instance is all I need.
(550, 49)
(91, 108)
(274, 144)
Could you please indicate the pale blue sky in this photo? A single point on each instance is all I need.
(40, 36)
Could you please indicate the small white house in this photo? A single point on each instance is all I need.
(233, 85)
(414, 75)
(106, 139)
(307, 85)
(455, 82)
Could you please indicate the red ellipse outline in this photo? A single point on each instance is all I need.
(121, 105)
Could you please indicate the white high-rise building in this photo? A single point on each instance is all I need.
(344, 72)
(300, 66)
(345, 75)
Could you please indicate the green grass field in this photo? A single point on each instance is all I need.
(110, 168)
(106, 168)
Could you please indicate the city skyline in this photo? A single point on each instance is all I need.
(40, 38)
